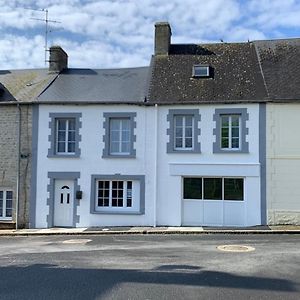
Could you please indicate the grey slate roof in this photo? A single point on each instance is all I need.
(98, 86)
(24, 85)
(236, 75)
(280, 63)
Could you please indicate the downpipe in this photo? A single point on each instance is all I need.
(18, 165)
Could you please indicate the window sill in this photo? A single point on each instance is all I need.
(63, 155)
(119, 156)
(230, 151)
(111, 212)
(185, 151)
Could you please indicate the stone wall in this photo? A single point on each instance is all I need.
(8, 156)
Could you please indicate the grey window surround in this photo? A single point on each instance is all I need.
(140, 178)
(106, 138)
(51, 190)
(244, 130)
(170, 131)
(52, 136)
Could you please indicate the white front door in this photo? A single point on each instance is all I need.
(64, 203)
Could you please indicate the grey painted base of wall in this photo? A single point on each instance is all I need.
(280, 217)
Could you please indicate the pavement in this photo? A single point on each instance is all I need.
(279, 229)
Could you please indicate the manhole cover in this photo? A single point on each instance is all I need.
(235, 248)
(77, 241)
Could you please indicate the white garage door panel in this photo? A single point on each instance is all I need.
(192, 212)
(213, 212)
(234, 213)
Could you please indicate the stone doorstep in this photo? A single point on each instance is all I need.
(7, 225)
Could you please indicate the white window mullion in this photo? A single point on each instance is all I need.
(124, 193)
(230, 133)
(110, 194)
(67, 136)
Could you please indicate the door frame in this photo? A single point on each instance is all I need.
(52, 176)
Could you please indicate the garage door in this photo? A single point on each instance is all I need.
(213, 201)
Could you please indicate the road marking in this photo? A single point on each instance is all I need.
(235, 248)
(77, 241)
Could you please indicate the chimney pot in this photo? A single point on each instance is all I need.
(162, 38)
(58, 59)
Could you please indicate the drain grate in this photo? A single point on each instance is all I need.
(77, 241)
(235, 248)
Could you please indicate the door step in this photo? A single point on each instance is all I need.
(7, 225)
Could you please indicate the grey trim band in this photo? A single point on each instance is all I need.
(244, 130)
(106, 137)
(34, 153)
(262, 161)
(140, 178)
(170, 130)
(52, 136)
(51, 189)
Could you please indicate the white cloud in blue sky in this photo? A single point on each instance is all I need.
(119, 33)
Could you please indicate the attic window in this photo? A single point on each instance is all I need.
(200, 71)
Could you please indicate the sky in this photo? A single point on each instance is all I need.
(120, 33)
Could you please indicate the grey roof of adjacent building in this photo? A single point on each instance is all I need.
(128, 85)
(236, 75)
(23, 85)
(280, 64)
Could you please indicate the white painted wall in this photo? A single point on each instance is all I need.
(283, 163)
(172, 166)
(91, 161)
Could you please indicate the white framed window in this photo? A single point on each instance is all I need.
(230, 132)
(200, 71)
(213, 188)
(119, 136)
(6, 198)
(114, 193)
(183, 132)
(65, 136)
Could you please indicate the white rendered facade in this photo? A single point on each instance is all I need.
(155, 172)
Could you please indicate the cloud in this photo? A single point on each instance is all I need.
(120, 33)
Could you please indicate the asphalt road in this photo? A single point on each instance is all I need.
(149, 267)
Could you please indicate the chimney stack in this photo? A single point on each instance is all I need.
(162, 38)
(58, 59)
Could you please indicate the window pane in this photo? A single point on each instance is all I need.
(213, 188)
(115, 136)
(225, 121)
(235, 143)
(125, 147)
(114, 147)
(71, 124)
(9, 195)
(235, 121)
(71, 147)
(114, 124)
(189, 121)
(9, 213)
(71, 136)
(1, 195)
(178, 143)
(200, 71)
(61, 147)
(188, 143)
(61, 124)
(178, 121)
(225, 143)
(235, 132)
(125, 136)
(234, 189)
(125, 124)
(192, 188)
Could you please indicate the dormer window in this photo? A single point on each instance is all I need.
(201, 71)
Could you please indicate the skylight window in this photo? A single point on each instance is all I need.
(200, 71)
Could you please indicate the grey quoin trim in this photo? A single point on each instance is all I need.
(34, 152)
(106, 137)
(244, 130)
(170, 130)
(140, 178)
(51, 190)
(52, 136)
(262, 161)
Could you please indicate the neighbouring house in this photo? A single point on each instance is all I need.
(18, 89)
(280, 64)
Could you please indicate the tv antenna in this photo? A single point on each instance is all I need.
(46, 20)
